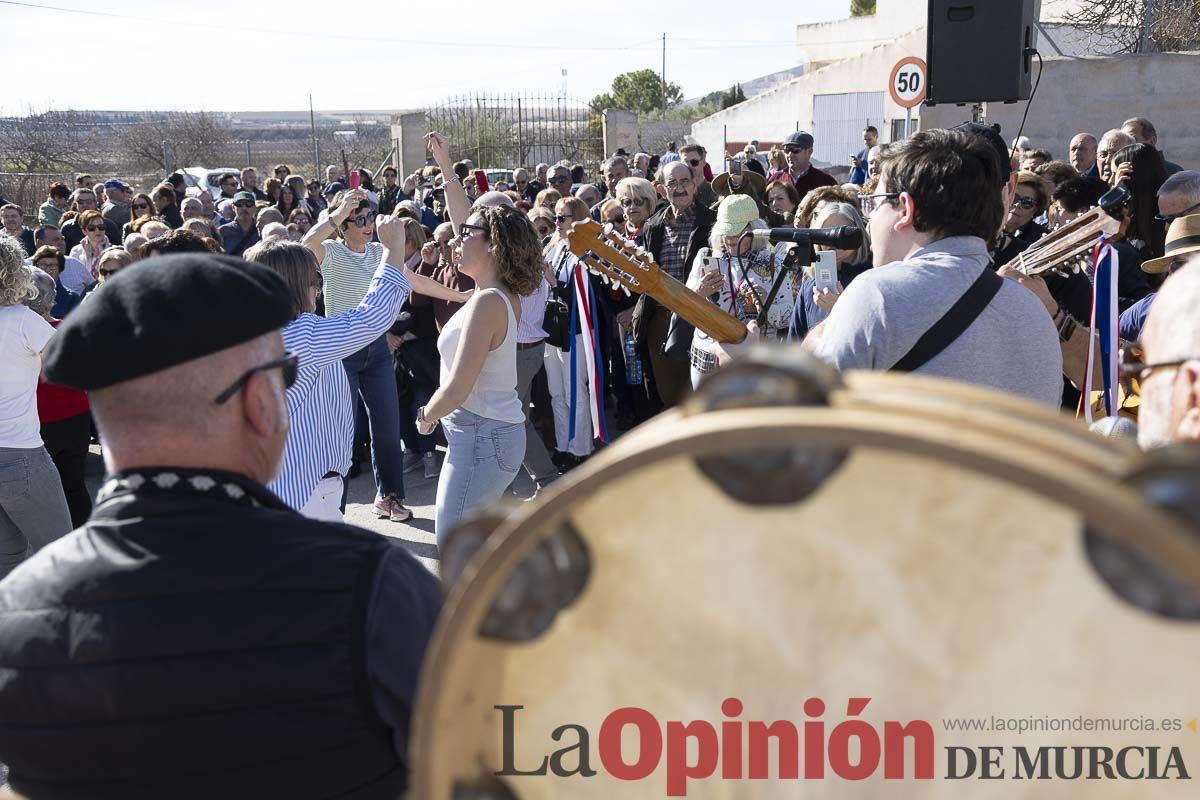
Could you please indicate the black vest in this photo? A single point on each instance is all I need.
(200, 643)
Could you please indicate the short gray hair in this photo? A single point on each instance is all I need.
(609, 163)
(1186, 183)
(42, 299)
(850, 212)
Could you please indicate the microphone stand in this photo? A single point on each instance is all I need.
(798, 256)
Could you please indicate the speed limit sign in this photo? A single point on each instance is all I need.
(907, 83)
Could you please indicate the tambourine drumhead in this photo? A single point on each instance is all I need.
(939, 569)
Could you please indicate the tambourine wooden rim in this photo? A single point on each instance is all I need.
(1105, 505)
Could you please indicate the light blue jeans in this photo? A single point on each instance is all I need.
(482, 458)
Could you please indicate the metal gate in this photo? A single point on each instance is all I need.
(838, 122)
(519, 130)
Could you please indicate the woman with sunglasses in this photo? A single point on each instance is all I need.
(1031, 200)
(301, 219)
(477, 402)
(347, 269)
(140, 206)
(95, 240)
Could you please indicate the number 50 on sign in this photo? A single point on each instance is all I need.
(907, 82)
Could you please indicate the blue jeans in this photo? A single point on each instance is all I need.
(482, 458)
(33, 510)
(373, 378)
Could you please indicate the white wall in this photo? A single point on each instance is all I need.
(771, 116)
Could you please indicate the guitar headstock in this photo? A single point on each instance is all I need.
(615, 258)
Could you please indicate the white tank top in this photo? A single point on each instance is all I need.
(494, 394)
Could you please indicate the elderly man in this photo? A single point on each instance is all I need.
(13, 219)
(559, 178)
(333, 174)
(193, 208)
(615, 170)
(116, 204)
(1110, 143)
(674, 236)
(1083, 155)
(240, 235)
(524, 186)
(226, 641)
(1179, 195)
(1170, 376)
(1143, 131)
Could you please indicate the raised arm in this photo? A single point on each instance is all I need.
(390, 231)
(457, 202)
(320, 231)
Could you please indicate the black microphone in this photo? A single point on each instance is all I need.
(842, 237)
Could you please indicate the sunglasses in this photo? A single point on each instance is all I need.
(289, 363)
(1025, 203)
(136, 206)
(243, 204)
(560, 179)
(466, 230)
(104, 273)
(695, 162)
(633, 202)
(1169, 218)
(362, 220)
(793, 149)
(94, 228)
(559, 219)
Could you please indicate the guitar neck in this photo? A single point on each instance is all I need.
(720, 325)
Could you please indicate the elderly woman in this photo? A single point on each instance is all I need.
(739, 277)
(1031, 200)
(783, 200)
(66, 427)
(34, 509)
(95, 240)
(51, 261)
(638, 199)
(113, 261)
(813, 305)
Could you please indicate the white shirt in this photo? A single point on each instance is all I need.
(494, 395)
(23, 336)
(76, 277)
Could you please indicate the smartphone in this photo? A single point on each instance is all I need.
(710, 264)
(355, 180)
(825, 271)
(481, 181)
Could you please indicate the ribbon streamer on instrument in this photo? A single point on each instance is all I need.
(585, 299)
(1104, 325)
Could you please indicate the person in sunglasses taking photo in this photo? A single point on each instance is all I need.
(229, 640)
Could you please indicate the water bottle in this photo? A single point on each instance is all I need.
(633, 364)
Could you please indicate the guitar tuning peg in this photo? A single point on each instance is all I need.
(640, 251)
(625, 289)
(608, 229)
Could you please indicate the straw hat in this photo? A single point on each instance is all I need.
(1183, 237)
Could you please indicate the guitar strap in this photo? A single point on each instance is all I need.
(953, 323)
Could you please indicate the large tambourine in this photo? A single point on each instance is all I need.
(797, 586)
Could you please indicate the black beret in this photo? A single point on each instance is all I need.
(991, 134)
(164, 311)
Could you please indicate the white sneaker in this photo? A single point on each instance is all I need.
(412, 460)
(432, 468)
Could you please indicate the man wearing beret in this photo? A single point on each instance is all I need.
(197, 637)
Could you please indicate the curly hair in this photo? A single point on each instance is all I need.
(822, 194)
(515, 248)
(16, 280)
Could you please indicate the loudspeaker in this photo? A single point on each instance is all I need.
(977, 51)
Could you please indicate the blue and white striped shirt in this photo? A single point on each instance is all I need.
(320, 410)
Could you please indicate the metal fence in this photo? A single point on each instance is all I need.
(519, 130)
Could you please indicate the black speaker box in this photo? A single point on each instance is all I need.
(976, 51)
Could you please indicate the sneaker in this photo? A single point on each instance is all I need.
(412, 460)
(400, 513)
(432, 467)
(383, 507)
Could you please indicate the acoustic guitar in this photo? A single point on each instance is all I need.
(1057, 250)
(620, 262)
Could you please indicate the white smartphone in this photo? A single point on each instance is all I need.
(825, 271)
(710, 264)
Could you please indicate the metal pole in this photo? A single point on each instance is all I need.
(907, 123)
(312, 122)
(664, 73)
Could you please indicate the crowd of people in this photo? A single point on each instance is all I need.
(291, 329)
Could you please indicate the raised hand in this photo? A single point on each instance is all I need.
(350, 203)
(439, 148)
(390, 230)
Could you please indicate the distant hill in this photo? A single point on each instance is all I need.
(761, 84)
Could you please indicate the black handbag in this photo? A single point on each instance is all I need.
(557, 322)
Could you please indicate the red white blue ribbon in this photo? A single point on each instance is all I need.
(585, 309)
(1104, 330)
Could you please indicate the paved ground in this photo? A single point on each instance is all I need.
(416, 534)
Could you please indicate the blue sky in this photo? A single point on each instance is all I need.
(269, 55)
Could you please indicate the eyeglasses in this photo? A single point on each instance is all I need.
(559, 219)
(1132, 361)
(467, 230)
(1169, 218)
(94, 228)
(633, 202)
(243, 204)
(870, 202)
(1025, 203)
(362, 220)
(794, 149)
(289, 363)
(679, 184)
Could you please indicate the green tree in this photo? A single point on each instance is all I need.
(862, 8)
(640, 91)
(734, 96)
